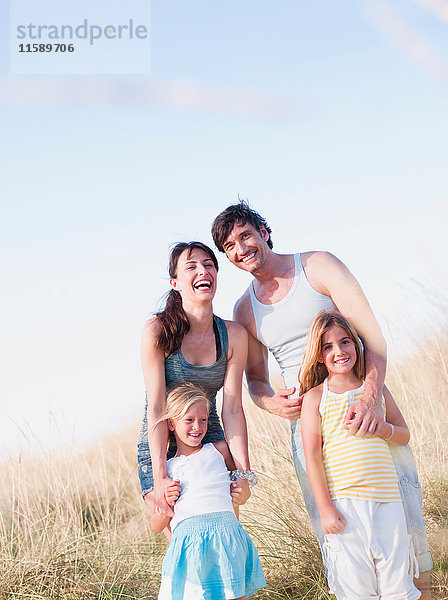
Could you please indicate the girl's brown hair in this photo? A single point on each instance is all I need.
(312, 371)
(173, 320)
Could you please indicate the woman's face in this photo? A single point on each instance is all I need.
(196, 276)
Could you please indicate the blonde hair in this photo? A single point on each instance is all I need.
(179, 401)
(312, 372)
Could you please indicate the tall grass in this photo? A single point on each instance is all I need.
(74, 526)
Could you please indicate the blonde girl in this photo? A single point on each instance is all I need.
(210, 555)
(367, 550)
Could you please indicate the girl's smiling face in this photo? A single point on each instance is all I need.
(191, 428)
(338, 351)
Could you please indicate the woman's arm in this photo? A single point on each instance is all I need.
(239, 493)
(159, 523)
(233, 419)
(332, 520)
(153, 366)
(398, 434)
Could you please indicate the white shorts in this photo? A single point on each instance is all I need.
(372, 558)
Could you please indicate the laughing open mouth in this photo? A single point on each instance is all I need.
(203, 284)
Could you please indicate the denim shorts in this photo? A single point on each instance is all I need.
(214, 434)
(410, 490)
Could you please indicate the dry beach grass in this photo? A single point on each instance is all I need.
(73, 527)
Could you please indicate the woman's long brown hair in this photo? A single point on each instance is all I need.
(173, 320)
(313, 372)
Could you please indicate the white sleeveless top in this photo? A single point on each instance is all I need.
(282, 327)
(205, 484)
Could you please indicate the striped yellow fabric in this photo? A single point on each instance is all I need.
(355, 467)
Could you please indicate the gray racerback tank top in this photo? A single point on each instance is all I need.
(210, 378)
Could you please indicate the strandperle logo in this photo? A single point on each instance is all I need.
(84, 31)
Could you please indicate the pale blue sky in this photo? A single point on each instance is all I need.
(329, 117)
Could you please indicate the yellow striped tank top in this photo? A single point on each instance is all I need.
(355, 467)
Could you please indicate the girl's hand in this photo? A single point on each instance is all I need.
(161, 506)
(332, 520)
(240, 491)
(172, 492)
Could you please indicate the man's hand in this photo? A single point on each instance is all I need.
(240, 491)
(333, 521)
(362, 418)
(161, 506)
(281, 405)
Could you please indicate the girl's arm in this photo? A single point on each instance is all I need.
(233, 419)
(153, 366)
(400, 431)
(332, 520)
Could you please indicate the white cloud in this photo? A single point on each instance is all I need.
(184, 95)
(414, 46)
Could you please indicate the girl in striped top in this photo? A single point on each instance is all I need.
(367, 549)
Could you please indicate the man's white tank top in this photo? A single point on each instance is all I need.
(282, 327)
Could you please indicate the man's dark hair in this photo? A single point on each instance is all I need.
(237, 214)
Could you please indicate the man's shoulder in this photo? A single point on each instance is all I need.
(242, 307)
(321, 268)
(243, 313)
(318, 258)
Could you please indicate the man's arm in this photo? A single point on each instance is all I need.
(257, 370)
(329, 276)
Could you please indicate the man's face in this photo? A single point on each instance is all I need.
(246, 247)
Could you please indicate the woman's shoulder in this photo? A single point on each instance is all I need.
(236, 332)
(152, 327)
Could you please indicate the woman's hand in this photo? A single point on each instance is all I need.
(333, 521)
(161, 506)
(240, 491)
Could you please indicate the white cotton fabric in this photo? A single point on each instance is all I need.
(373, 557)
(282, 327)
(204, 481)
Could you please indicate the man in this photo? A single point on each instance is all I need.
(286, 293)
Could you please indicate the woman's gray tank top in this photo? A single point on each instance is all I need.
(210, 378)
(282, 327)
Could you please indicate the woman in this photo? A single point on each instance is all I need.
(186, 342)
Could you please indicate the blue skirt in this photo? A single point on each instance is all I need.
(210, 557)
